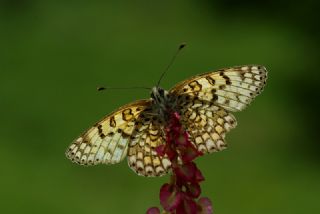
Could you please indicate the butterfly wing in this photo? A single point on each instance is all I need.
(204, 102)
(206, 124)
(107, 141)
(231, 88)
(147, 135)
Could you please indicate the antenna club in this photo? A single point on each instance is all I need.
(182, 45)
(101, 88)
(133, 87)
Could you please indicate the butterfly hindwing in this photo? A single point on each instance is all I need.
(107, 141)
(231, 88)
(206, 124)
(148, 135)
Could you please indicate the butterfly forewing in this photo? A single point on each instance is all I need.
(231, 88)
(107, 141)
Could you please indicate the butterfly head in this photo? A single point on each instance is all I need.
(159, 95)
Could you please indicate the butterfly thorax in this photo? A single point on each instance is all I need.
(161, 101)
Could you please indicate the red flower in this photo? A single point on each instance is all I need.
(179, 196)
(188, 173)
(153, 210)
(170, 197)
(206, 206)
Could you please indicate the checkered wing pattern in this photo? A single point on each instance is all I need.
(147, 135)
(205, 102)
(107, 141)
(231, 88)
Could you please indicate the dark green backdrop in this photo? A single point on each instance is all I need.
(53, 55)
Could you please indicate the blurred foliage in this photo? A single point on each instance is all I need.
(55, 53)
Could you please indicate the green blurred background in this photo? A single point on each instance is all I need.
(55, 53)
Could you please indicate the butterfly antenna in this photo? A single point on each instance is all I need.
(102, 88)
(171, 62)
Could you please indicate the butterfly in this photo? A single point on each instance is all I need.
(204, 102)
